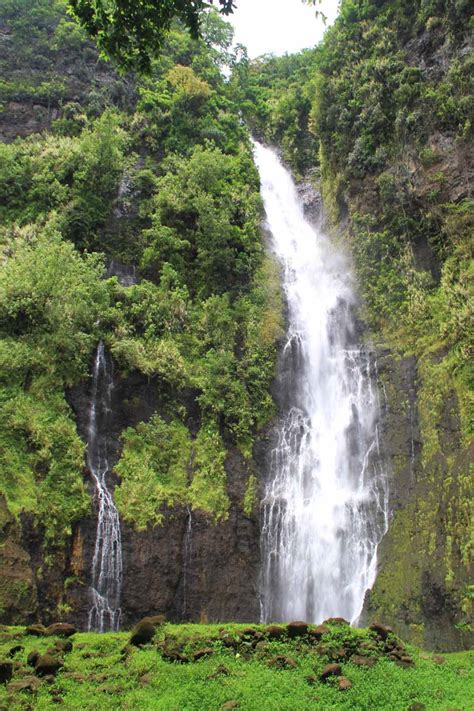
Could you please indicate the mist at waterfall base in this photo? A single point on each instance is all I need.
(325, 507)
(106, 584)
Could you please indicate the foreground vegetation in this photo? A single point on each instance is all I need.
(212, 667)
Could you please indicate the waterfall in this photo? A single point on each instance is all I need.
(186, 559)
(104, 613)
(325, 507)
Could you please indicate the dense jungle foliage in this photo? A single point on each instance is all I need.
(379, 115)
(157, 173)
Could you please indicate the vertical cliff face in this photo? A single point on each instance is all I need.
(129, 212)
(387, 98)
(423, 572)
(397, 175)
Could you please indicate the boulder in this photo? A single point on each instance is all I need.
(201, 653)
(330, 670)
(47, 665)
(297, 629)
(60, 629)
(36, 630)
(336, 621)
(28, 684)
(142, 633)
(382, 631)
(230, 640)
(282, 662)
(249, 632)
(229, 705)
(6, 672)
(361, 661)
(318, 631)
(174, 655)
(344, 684)
(338, 655)
(32, 658)
(405, 661)
(63, 645)
(274, 632)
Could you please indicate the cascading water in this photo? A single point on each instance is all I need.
(104, 613)
(325, 507)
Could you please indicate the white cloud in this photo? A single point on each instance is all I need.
(279, 26)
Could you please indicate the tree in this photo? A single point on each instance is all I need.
(132, 31)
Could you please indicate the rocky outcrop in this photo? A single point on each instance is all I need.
(189, 568)
(422, 568)
(18, 594)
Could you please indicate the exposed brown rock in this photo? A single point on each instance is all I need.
(361, 661)
(201, 653)
(174, 655)
(282, 662)
(142, 633)
(336, 621)
(36, 630)
(297, 629)
(382, 631)
(344, 684)
(318, 631)
(330, 670)
(63, 645)
(28, 684)
(32, 658)
(6, 672)
(47, 665)
(60, 629)
(274, 632)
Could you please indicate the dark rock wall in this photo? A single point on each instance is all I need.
(422, 574)
(206, 571)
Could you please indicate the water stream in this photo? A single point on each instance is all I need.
(325, 507)
(106, 584)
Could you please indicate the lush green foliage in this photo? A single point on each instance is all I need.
(131, 31)
(167, 185)
(96, 676)
(276, 97)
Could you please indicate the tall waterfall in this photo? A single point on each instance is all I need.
(104, 613)
(325, 507)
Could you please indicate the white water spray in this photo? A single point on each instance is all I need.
(104, 613)
(325, 508)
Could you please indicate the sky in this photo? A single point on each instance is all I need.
(279, 26)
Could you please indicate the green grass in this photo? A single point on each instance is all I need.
(96, 675)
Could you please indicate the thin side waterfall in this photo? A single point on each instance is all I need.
(186, 557)
(104, 613)
(325, 507)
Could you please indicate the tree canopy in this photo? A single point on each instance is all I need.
(132, 31)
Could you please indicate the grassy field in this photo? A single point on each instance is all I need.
(213, 667)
